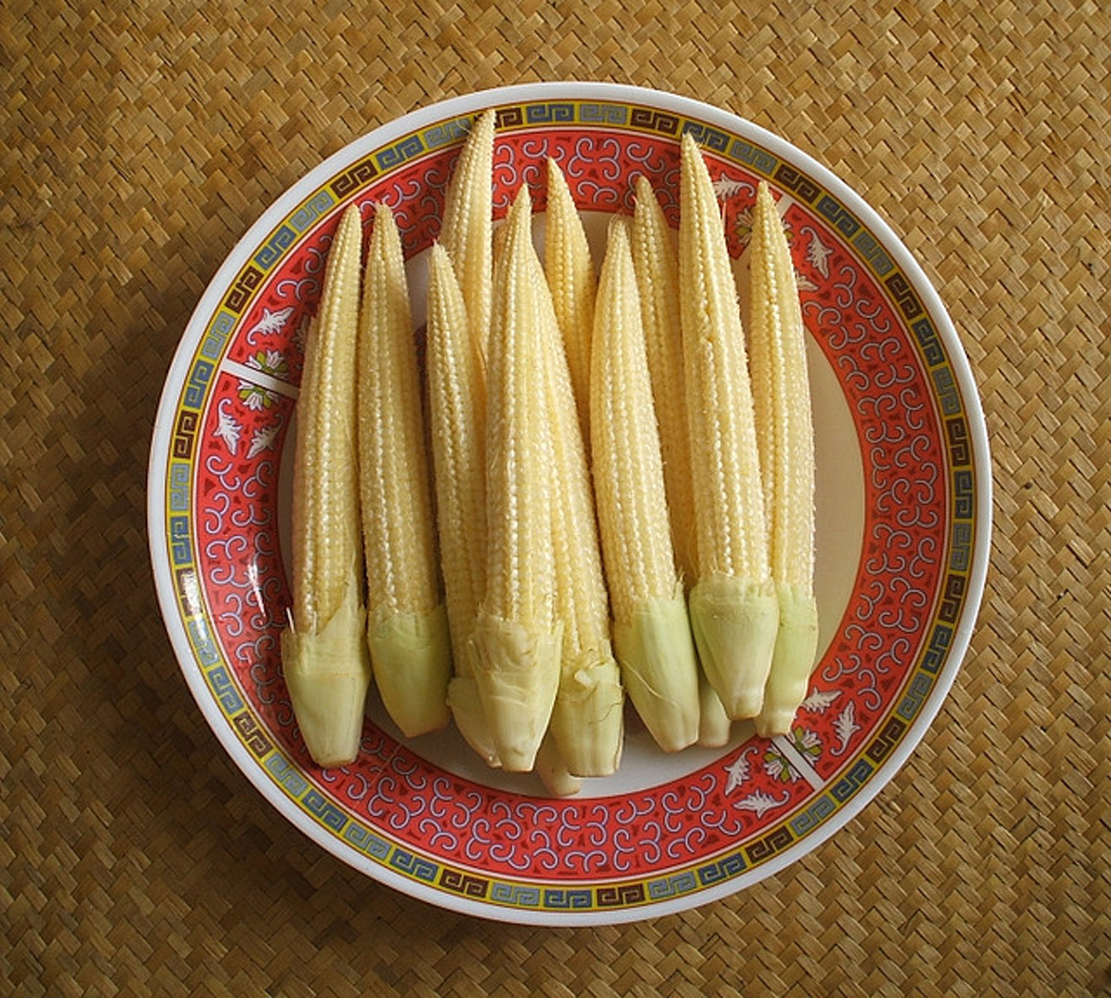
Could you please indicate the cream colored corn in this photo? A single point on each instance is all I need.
(500, 232)
(657, 269)
(407, 628)
(468, 223)
(781, 396)
(651, 632)
(457, 411)
(587, 721)
(516, 642)
(324, 654)
(733, 607)
(571, 278)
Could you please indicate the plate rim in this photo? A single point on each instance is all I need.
(471, 103)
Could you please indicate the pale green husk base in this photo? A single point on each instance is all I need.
(410, 654)
(735, 623)
(588, 720)
(328, 676)
(796, 647)
(714, 725)
(517, 672)
(660, 670)
(470, 717)
(552, 769)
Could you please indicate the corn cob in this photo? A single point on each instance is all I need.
(571, 278)
(457, 411)
(516, 641)
(651, 631)
(733, 608)
(781, 396)
(587, 722)
(500, 232)
(407, 629)
(657, 270)
(468, 222)
(324, 654)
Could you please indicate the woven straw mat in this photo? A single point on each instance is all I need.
(140, 141)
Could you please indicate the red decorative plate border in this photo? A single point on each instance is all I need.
(457, 839)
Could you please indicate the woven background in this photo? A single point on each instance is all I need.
(137, 147)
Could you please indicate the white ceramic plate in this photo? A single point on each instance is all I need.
(903, 529)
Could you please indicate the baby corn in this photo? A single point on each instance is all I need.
(468, 224)
(587, 721)
(733, 608)
(407, 629)
(516, 641)
(652, 635)
(781, 396)
(657, 271)
(571, 278)
(324, 654)
(457, 411)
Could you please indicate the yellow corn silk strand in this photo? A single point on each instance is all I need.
(657, 269)
(733, 608)
(573, 285)
(407, 628)
(587, 722)
(324, 654)
(516, 641)
(468, 224)
(457, 410)
(785, 433)
(651, 632)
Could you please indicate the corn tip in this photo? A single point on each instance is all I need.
(327, 674)
(410, 655)
(660, 670)
(734, 623)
